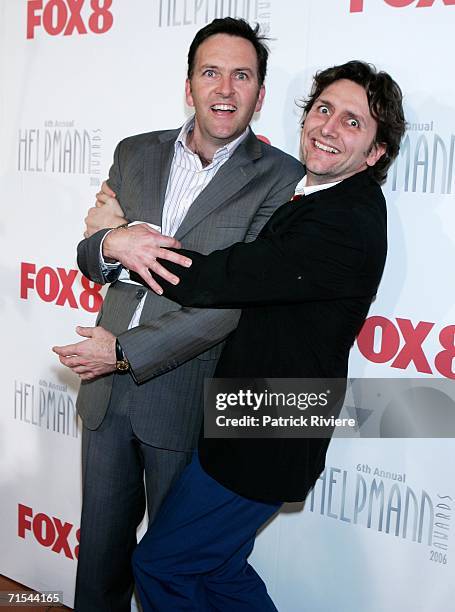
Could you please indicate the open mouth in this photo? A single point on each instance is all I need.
(223, 109)
(326, 148)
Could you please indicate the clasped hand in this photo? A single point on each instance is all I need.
(92, 357)
(107, 212)
(138, 248)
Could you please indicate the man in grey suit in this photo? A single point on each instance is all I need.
(209, 184)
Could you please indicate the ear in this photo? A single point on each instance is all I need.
(188, 94)
(260, 99)
(376, 152)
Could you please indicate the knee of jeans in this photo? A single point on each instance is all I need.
(144, 561)
(154, 559)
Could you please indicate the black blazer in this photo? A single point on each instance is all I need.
(305, 286)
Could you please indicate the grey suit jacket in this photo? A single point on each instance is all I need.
(175, 348)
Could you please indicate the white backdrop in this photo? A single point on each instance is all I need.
(73, 85)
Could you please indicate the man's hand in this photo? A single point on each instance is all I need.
(138, 247)
(107, 212)
(89, 358)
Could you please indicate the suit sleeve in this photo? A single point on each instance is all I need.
(88, 250)
(321, 258)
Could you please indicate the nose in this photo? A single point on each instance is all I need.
(225, 88)
(330, 127)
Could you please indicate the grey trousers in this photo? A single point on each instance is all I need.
(114, 461)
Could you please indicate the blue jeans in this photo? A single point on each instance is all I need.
(194, 555)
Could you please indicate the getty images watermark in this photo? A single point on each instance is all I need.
(320, 408)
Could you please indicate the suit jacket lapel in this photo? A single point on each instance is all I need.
(157, 165)
(230, 178)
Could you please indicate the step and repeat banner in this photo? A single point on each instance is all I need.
(377, 532)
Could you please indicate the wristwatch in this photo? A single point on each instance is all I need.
(122, 364)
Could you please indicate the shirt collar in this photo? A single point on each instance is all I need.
(225, 151)
(302, 189)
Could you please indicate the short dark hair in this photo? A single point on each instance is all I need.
(232, 27)
(385, 101)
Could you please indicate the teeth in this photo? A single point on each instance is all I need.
(223, 107)
(319, 145)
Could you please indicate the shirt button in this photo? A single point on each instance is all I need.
(140, 294)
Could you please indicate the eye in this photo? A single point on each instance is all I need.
(353, 123)
(241, 76)
(209, 73)
(323, 110)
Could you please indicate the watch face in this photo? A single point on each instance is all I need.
(122, 365)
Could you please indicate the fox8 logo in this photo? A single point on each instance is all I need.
(357, 6)
(65, 17)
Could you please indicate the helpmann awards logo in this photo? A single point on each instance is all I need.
(384, 502)
(174, 13)
(426, 161)
(47, 405)
(60, 147)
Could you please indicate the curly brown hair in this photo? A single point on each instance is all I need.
(385, 101)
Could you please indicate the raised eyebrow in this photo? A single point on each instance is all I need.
(324, 102)
(243, 70)
(357, 117)
(351, 113)
(213, 67)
